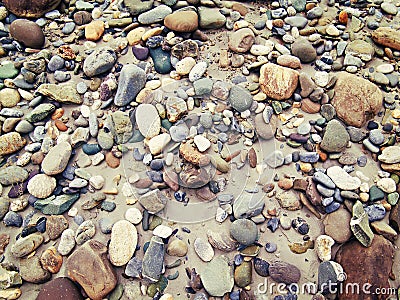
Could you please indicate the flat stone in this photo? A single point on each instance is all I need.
(155, 15)
(337, 225)
(390, 155)
(80, 264)
(67, 242)
(203, 249)
(32, 271)
(99, 61)
(26, 245)
(182, 21)
(13, 174)
(217, 277)
(153, 260)
(63, 93)
(153, 201)
(283, 272)
(57, 159)
(210, 18)
(342, 179)
(289, 200)
(387, 36)
(123, 242)
(148, 120)
(69, 290)
(244, 231)
(241, 40)
(359, 225)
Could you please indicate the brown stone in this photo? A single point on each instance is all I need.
(27, 32)
(94, 30)
(387, 36)
(309, 106)
(55, 225)
(190, 153)
(59, 288)
(51, 260)
(31, 8)
(283, 272)
(31, 270)
(4, 240)
(252, 156)
(278, 82)
(89, 266)
(364, 265)
(312, 193)
(337, 225)
(112, 161)
(205, 194)
(82, 18)
(240, 8)
(241, 40)
(182, 21)
(356, 99)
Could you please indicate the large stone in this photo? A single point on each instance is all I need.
(63, 93)
(13, 174)
(148, 120)
(131, 81)
(31, 8)
(32, 271)
(244, 231)
(123, 242)
(41, 185)
(337, 225)
(241, 40)
(59, 288)
(335, 137)
(387, 36)
(289, 200)
(361, 49)
(356, 99)
(217, 277)
(342, 179)
(99, 61)
(210, 18)
(376, 259)
(40, 112)
(57, 159)
(304, 50)
(154, 201)
(153, 260)
(26, 245)
(27, 32)
(89, 266)
(138, 6)
(154, 15)
(240, 98)
(57, 206)
(278, 82)
(11, 142)
(182, 21)
(247, 206)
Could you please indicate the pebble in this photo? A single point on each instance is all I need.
(123, 242)
(244, 231)
(203, 249)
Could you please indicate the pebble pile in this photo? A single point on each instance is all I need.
(186, 149)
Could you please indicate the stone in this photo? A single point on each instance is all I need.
(243, 274)
(57, 206)
(388, 185)
(390, 155)
(278, 82)
(41, 186)
(241, 40)
(55, 226)
(368, 261)
(354, 95)
(161, 60)
(330, 274)
(158, 143)
(217, 277)
(244, 231)
(155, 15)
(335, 137)
(337, 225)
(203, 249)
(359, 225)
(148, 120)
(4, 206)
(13, 174)
(94, 30)
(81, 263)
(342, 179)
(28, 33)
(51, 260)
(153, 260)
(11, 142)
(201, 143)
(137, 6)
(240, 98)
(85, 232)
(261, 267)
(153, 201)
(323, 247)
(9, 97)
(304, 50)
(210, 18)
(221, 241)
(51, 290)
(57, 159)
(289, 200)
(26, 245)
(29, 9)
(296, 21)
(99, 61)
(8, 70)
(63, 93)
(283, 272)
(67, 242)
(387, 36)
(182, 21)
(123, 242)
(177, 248)
(184, 66)
(31, 270)
(131, 81)
(40, 112)
(12, 219)
(361, 49)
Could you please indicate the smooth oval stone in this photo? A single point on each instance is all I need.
(27, 32)
(29, 8)
(123, 243)
(203, 249)
(244, 231)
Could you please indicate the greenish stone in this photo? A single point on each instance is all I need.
(173, 276)
(60, 204)
(299, 5)
(221, 164)
(8, 71)
(169, 2)
(359, 225)
(12, 175)
(40, 112)
(395, 177)
(175, 264)
(159, 286)
(9, 278)
(42, 203)
(277, 106)
(391, 140)
(123, 148)
(293, 144)
(376, 194)
(83, 173)
(136, 137)
(285, 105)
(393, 198)
(138, 6)
(210, 18)
(203, 86)
(321, 121)
(161, 60)
(243, 274)
(165, 123)
(4, 204)
(155, 222)
(119, 22)
(335, 137)
(116, 294)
